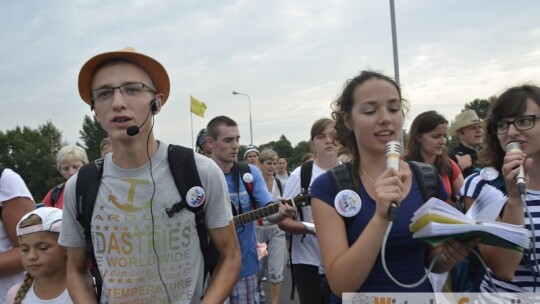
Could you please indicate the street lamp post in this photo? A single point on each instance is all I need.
(250, 123)
(394, 41)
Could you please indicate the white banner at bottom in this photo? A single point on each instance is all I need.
(440, 298)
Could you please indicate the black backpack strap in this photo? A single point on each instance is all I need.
(186, 176)
(279, 185)
(306, 170)
(86, 190)
(305, 175)
(55, 195)
(341, 177)
(238, 171)
(305, 180)
(428, 179)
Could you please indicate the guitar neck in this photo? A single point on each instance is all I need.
(265, 211)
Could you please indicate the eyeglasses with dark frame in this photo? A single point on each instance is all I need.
(523, 123)
(130, 90)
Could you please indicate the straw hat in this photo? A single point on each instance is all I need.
(156, 71)
(464, 119)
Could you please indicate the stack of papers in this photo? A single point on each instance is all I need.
(437, 221)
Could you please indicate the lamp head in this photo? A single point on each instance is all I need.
(235, 93)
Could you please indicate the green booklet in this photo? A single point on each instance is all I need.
(437, 221)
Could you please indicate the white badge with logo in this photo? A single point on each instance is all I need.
(248, 178)
(489, 173)
(347, 203)
(195, 196)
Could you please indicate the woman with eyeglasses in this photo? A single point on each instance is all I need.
(512, 119)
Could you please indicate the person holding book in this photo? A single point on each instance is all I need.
(512, 119)
(369, 113)
(427, 143)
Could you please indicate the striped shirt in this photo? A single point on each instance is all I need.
(523, 280)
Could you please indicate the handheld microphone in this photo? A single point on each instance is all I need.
(134, 130)
(520, 178)
(393, 156)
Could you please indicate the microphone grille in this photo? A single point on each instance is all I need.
(513, 146)
(393, 147)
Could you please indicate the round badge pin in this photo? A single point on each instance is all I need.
(248, 178)
(347, 203)
(489, 173)
(195, 196)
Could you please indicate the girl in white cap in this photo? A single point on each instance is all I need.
(43, 259)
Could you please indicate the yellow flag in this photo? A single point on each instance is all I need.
(197, 107)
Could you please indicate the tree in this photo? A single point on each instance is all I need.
(299, 150)
(92, 134)
(282, 146)
(32, 154)
(480, 106)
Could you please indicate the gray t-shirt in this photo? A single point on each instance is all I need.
(122, 229)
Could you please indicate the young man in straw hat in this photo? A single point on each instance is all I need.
(143, 254)
(468, 127)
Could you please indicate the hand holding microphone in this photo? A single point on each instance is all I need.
(393, 157)
(515, 147)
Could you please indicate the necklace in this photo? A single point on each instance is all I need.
(371, 179)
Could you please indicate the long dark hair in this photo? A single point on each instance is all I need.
(344, 104)
(423, 123)
(511, 103)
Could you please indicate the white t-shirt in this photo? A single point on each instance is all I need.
(32, 298)
(11, 186)
(305, 248)
(122, 231)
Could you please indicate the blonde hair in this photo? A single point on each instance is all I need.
(69, 154)
(32, 220)
(268, 154)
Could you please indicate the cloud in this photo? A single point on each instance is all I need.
(291, 57)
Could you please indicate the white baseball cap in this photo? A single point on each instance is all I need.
(51, 220)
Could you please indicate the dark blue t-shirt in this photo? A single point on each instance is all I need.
(405, 256)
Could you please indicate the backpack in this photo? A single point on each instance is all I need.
(55, 195)
(185, 175)
(306, 170)
(239, 169)
(427, 176)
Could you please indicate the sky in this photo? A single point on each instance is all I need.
(291, 57)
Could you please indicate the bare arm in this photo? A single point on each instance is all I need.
(293, 226)
(228, 268)
(457, 184)
(12, 212)
(79, 281)
(347, 268)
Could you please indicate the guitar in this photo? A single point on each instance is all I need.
(258, 213)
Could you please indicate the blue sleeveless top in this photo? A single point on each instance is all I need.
(405, 256)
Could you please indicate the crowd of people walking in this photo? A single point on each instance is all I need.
(151, 222)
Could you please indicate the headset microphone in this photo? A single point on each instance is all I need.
(134, 130)
(393, 156)
(520, 178)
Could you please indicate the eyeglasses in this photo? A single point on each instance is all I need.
(132, 90)
(522, 123)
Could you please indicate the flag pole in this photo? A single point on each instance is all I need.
(192, 145)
